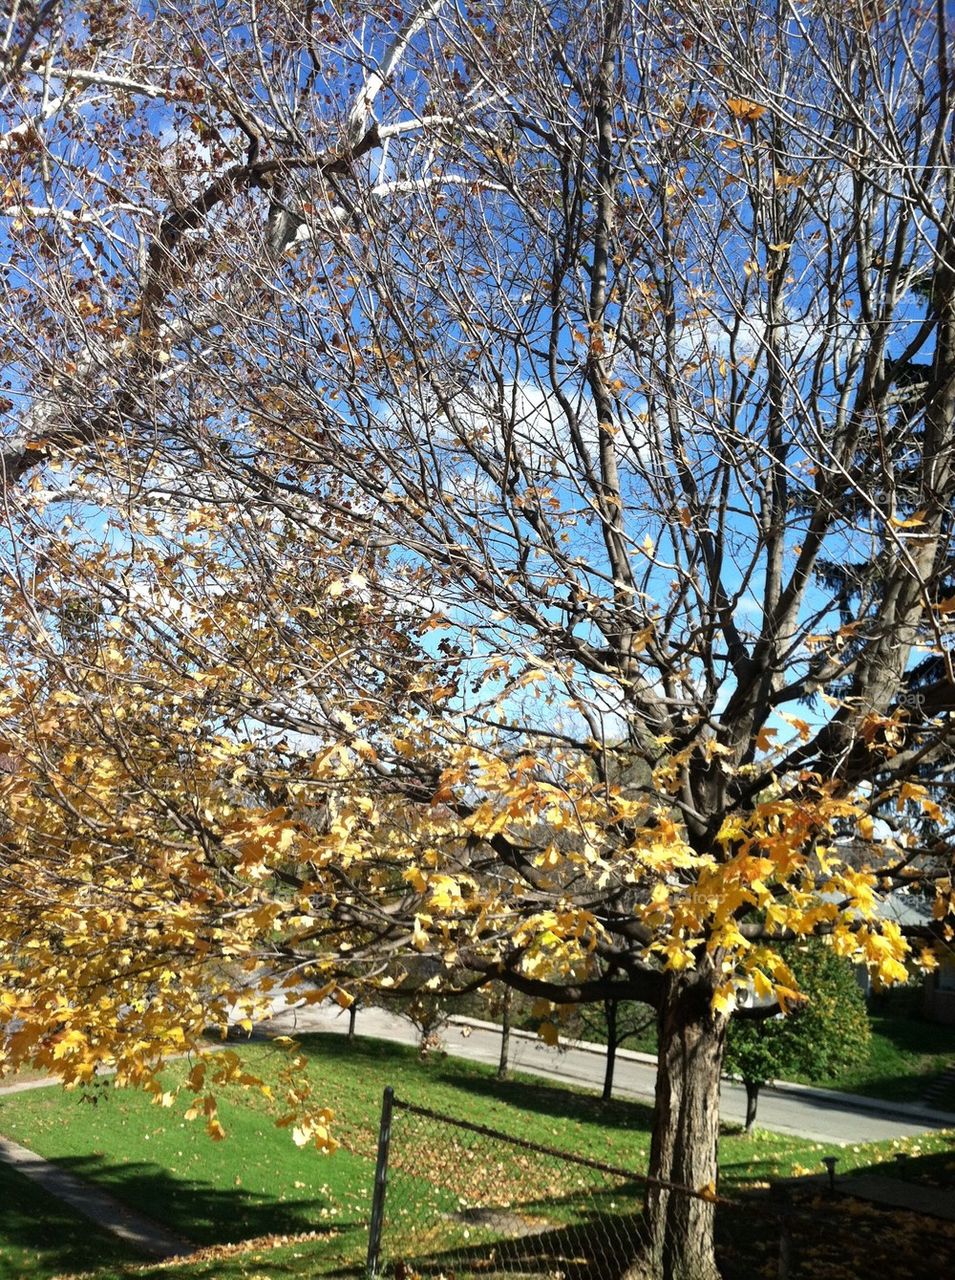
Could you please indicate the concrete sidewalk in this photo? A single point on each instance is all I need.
(914, 1197)
(140, 1233)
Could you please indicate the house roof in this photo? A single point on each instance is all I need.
(909, 910)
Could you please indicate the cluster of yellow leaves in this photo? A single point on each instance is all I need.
(310, 1124)
(144, 891)
(745, 109)
(778, 864)
(158, 858)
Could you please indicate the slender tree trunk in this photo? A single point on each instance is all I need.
(352, 1015)
(505, 1034)
(685, 1134)
(752, 1101)
(610, 1013)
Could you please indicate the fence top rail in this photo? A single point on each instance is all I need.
(586, 1161)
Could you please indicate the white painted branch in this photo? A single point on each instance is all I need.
(76, 216)
(364, 103)
(408, 126)
(103, 80)
(403, 185)
(25, 126)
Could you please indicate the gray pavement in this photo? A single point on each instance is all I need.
(839, 1119)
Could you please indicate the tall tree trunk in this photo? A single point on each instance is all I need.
(505, 1034)
(752, 1101)
(685, 1133)
(352, 1015)
(610, 1013)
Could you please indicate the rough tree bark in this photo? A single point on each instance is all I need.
(686, 1131)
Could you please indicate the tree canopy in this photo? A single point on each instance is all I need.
(477, 485)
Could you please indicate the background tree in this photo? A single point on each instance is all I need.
(450, 418)
(621, 1023)
(827, 1033)
(611, 1022)
(500, 1004)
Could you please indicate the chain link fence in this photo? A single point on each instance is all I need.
(458, 1199)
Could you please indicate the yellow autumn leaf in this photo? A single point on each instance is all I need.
(890, 970)
(745, 109)
(419, 936)
(912, 522)
(761, 984)
(801, 726)
(678, 955)
(417, 879)
(787, 997)
(724, 998)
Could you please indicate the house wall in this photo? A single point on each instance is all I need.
(938, 994)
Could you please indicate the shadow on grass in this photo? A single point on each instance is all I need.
(202, 1213)
(916, 1035)
(933, 1169)
(550, 1100)
(40, 1236)
(592, 1248)
(900, 1064)
(737, 1176)
(598, 1246)
(557, 1101)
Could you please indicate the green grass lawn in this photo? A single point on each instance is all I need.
(258, 1184)
(905, 1056)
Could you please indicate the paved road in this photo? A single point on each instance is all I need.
(808, 1115)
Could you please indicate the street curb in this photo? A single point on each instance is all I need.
(588, 1046)
(856, 1101)
(859, 1102)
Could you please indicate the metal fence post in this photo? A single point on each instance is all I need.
(780, 1195)
(381, 1182)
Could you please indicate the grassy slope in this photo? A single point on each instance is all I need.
(258, 1183)
(905, 1056)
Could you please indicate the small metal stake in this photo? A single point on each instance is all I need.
(381, 1183)
(780, 1195)
(830, 1162)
